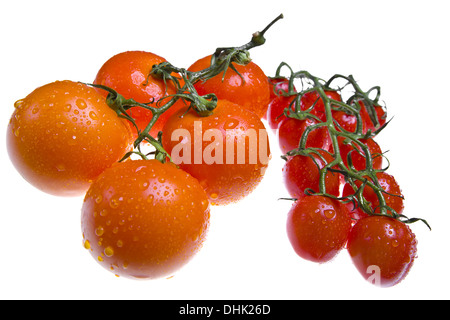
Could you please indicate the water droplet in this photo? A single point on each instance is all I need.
(98, 199)
(99, 231)
(231, 123)
(18, 104)
(100, 259)
(35, 110)
(114, 203)
(17, 132)
(93, 115)
(67, 107)
(161, 179)
(395, 243)
(60, 168)
(109, 252)
(330, 214)
(214, 195)
(119, 243)
(81, 104)
(87, 244)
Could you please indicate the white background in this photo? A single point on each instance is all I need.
(399, 45)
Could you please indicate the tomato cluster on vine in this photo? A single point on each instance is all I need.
(153, 148)
(343, 197)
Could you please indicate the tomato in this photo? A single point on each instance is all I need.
(357, 156)
(277, 86)
(313, 99)
(63, 135)
(291, 130)
(301, 172)
(228, 151)
(383, 249)
(367, 121)
(252, 94)
(318, 228)
(345, 120)
(275, 110)
(128, 74)
(144, 219)
(392, 195)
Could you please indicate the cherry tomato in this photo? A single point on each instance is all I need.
(128, 74)
(367, 121)
(318, 228)
(357, 155)
(252, 94)
(393, 194)
(313, 99)
(144, 219)
(63, 135)
(228, 151)
(302, 172)
(291, 130)
(275, 110)
(383, 249)
(347, 121)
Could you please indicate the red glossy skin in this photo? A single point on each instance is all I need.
(63, 135)
(357, 156)
(318, 227)
(275, 111)
(225, 177)
(127, 73)
(300, 172)
(393, 195)
(382, 249)
(313, 99)
(367, 122)
(253, 94)
(290, 131)
(142, 219)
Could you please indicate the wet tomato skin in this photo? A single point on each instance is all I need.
(143, 219)
(231, 162)
(318, 228)
(252, 94)
(128, 73)
(63, 135)
(382, 249)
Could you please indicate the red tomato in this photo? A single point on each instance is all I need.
(252, 94)
(318, 228)
(347, 121)
(277, 102)
(313, 99)
(128, 74)
(393, 195)
(144, 219)
(275, 110)
(382, 249)
(357, 155)
(367, 121)
(228, 152)
(290, 131)
(63, 135)
(301, 172)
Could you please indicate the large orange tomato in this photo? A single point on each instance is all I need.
(144, 219)
(228, 151)
(128, 74)
(251, 91)
(63, 135)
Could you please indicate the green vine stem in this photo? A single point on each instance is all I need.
(222, 59)
(367, 177)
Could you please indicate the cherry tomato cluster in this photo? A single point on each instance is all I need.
(344, 198)
(151, 147)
